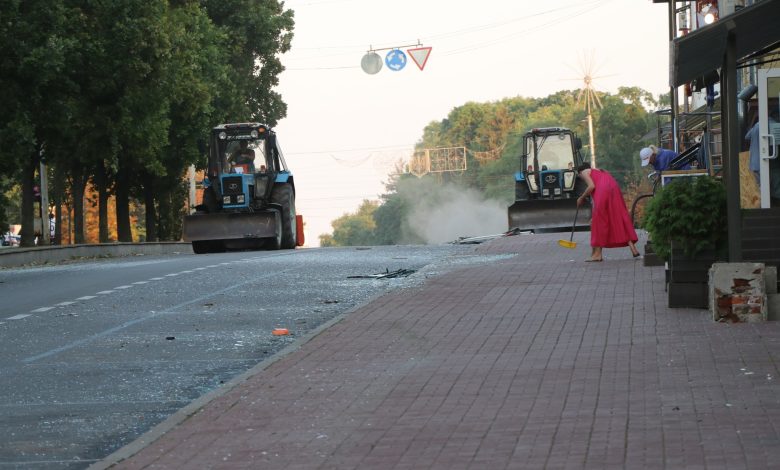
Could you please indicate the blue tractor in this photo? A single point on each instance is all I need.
(547, 187)
(248, 194)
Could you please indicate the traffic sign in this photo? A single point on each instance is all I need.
(420, 55)
(371, 63)
(395, 60)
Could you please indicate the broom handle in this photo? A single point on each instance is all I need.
(576, 211)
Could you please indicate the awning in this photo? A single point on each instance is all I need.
(702, 51)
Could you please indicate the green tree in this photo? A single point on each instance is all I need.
(355, 229)
(621, 124)
(35, 51)
(258, 32)
(195, 73)
(487, 126)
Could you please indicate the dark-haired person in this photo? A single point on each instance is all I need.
(610, 225)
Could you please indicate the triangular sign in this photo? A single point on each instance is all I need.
(420, 55)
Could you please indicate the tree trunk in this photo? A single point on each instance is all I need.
(28, 202)
(151, 212)
(58, 223)
(101, 183)
(70, 223)
(164, 225)
(77, 188)
(124, 233)
(57, 192)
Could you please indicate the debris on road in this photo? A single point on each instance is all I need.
(485, 238)
(385, 275)
(281, 332)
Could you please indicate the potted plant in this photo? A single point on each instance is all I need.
(686, 221)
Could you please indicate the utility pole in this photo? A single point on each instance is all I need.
(673, 89)
(592, 140)
(192, 194)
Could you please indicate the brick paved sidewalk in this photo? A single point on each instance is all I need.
(540, 361)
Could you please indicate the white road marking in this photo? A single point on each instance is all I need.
(151, 315)
(105, 292)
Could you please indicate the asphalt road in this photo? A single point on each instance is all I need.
(95, 353)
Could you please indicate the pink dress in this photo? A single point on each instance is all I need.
(610, 226)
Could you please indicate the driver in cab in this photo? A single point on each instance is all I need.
(243, 157)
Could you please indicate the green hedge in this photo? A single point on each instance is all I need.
(690, 211)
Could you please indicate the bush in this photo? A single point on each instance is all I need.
(690, 211)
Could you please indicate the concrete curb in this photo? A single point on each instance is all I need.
(14, 257)
(150, 436)
(196, 405)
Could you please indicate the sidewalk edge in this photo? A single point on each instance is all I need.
(150, 436)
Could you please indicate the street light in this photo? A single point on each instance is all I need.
(707, 12)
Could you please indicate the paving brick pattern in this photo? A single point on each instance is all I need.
(539, 361)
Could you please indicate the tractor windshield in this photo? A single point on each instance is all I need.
(555, 151)
(242, 156)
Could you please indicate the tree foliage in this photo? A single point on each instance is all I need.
(353, 229)
(496, 128)
(692, 214)
(119, 97)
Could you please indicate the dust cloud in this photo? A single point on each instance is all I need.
(446, 213)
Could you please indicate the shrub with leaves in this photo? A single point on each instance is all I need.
(690, 211)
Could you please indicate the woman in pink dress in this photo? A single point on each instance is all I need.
(610, 225)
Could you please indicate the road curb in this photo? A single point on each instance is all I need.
(16, 257)
(196, 405)
(191, 409)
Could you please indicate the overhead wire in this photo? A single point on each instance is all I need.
(581, 8)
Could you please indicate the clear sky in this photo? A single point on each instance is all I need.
(344, 128)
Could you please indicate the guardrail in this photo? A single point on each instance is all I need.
(38, 255)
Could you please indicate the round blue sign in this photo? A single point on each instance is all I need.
(395, 60)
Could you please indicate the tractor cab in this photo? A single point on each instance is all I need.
(550, 159)
(546, 185)
(245, 161)
(248, 194)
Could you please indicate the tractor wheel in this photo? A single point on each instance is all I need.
(200, 247)
(284, 196)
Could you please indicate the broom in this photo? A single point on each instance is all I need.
(570, 243)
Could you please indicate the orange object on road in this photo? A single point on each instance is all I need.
(281, 332)
(299, 230)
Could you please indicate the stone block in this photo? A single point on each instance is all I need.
(773, 307)
(770, 279)
(687, 295)
(737, 292)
